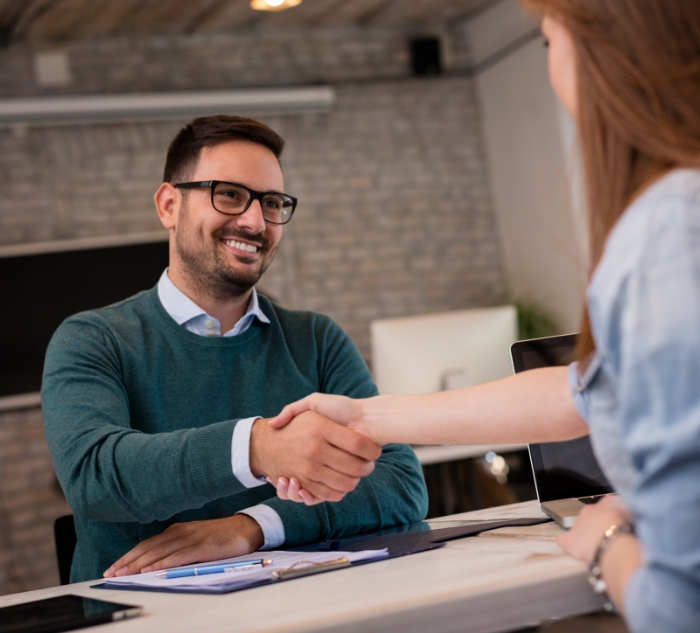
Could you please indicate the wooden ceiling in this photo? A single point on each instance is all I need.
(72, 19)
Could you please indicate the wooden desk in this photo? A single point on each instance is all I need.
(489, 583)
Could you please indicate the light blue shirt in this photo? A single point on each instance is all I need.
(189, 315)
(641, 394)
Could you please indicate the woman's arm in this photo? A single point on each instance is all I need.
(533, 406)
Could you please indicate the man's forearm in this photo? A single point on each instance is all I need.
(133, 476)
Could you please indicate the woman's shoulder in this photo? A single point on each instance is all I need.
(669, 202)
(656, 237)
(661, 222)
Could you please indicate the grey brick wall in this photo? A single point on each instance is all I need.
(252, 57)
(30, 500)
(395, 212)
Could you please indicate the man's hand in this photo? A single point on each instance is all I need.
(327, 459)
(194, 542)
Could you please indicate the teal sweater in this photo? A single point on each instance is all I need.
(139, 414)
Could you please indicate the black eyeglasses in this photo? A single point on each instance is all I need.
(231, 198)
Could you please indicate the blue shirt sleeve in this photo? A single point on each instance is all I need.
(578, 382)
(657, 362)
(664, 610)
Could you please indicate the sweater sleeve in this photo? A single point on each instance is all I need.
(393, 494)
(109, 471)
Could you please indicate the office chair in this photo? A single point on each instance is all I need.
(65, 540)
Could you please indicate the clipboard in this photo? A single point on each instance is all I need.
(289, 566)
(406, 540)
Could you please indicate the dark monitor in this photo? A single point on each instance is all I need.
(41, 285)
(561, 469)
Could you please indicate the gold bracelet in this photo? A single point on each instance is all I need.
(595, 574)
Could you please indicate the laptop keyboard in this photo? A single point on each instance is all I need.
(590, 500)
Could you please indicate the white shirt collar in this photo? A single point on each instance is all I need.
(182, 309)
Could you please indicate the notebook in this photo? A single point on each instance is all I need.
(567, 475)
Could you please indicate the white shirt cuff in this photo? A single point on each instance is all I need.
(240, 454)
(270, 523)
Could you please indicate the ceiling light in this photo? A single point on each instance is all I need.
(273, 5)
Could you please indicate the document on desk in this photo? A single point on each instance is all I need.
(283, 565)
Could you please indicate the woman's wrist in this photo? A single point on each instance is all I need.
(371, 415)
(595, 576)
(619, 559)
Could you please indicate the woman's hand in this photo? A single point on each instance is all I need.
(291, 490)
(582, 540)
(621, 559)
(340, 409)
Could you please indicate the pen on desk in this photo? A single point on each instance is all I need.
(239, 565)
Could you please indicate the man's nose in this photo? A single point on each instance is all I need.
(252, 219)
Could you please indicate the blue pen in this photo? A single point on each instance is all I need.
(214, 569)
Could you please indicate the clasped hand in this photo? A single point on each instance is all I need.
(327, 459)
(342, 410)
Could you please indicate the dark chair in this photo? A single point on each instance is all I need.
(65, 539)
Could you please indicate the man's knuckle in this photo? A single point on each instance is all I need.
(314, 451)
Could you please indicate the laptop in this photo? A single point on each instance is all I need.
(567, 475)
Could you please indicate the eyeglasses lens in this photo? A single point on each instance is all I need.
(233, 200)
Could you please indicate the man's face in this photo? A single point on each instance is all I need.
(223, 256)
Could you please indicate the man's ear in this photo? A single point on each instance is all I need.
(167, 200)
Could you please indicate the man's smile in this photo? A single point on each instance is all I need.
(238, 245)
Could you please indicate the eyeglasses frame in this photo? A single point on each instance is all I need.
(254, 195)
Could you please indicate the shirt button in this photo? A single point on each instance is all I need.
(209, 325)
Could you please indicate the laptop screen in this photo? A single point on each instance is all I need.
(561, 469)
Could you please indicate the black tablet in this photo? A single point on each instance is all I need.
(62, 614)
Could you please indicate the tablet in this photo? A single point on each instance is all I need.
(62, 614)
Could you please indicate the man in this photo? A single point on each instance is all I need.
(155, 408)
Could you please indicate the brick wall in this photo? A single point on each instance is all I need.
(30, 500)
(251, 57)
(395, 212)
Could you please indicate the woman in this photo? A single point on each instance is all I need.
(629, 72)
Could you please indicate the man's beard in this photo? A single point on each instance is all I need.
(207, 270)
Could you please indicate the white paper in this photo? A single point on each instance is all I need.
(240, 578)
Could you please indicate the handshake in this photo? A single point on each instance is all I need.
(316, 449)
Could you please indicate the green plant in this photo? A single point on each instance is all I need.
(533, 321)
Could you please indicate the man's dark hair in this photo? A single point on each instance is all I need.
(208, 131)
